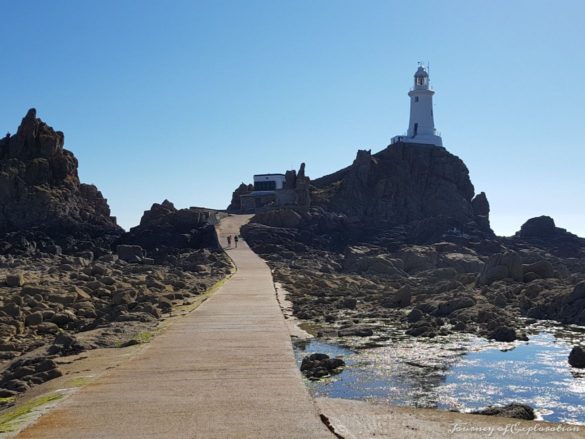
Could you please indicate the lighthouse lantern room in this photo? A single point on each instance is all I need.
(421, 128)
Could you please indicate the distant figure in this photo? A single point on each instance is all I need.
(229, 240)
(236, 239)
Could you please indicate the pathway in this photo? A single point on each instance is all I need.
(226, 370)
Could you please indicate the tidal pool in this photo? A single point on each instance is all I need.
(462, 373)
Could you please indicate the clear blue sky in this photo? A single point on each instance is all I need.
(184, 100)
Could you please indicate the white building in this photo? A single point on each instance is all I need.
(268, 182)
(421, 128)
(264, 193)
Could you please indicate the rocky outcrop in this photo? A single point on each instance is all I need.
(164, 229)
(40, 187)
(243, 189)
(541, 232)
(541, 227)
(367, 259)
(420, 186)
(502, 266)
(296, 191)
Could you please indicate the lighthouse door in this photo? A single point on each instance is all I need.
(415, 129)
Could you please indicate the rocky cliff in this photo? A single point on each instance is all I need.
(40, 187)
(423, 187)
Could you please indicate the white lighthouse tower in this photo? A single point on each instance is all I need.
(421, 128)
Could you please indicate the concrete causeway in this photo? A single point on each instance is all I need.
(226, 370)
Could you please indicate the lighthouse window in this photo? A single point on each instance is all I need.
(416, 99)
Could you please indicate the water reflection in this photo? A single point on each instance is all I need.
(463, 373)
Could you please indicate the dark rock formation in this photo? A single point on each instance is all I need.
(317, 366)
(65, 344)
(242, 189)
(577, 357)
(130, 253)
(503, 333)
(420, 186)
(296, 191)
(39, 185)
(539, 227)
(165, 229)
(502, 266)
(26, 372)
(514, 410)
(541, 232)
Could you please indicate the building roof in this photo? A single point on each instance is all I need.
(268, 175)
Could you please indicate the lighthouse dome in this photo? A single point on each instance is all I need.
(421, 72)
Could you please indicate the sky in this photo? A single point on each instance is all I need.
(184, 100)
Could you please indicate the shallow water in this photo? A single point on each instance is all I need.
(463, 373)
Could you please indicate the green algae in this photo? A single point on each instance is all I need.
(144, 337)
(10, 419)
(79, 382)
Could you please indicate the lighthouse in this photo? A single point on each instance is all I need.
(421, 128)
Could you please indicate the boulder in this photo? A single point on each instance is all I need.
(577, 357)
(34, 319)
(319, 365)
(12, 309)
(538, 270)
(400, 299)
(65, 344)
(415, 315)
(502, 266)
(347, 303)
(14, 280)
(514, 410)
(365, 259)
(446, 308)
(462, 262)
(130, 253)
(422, 328)
(126, 297)
(418, 258)
(503, 333)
